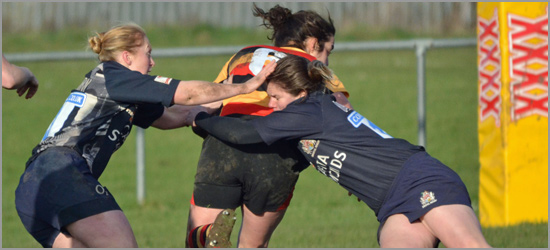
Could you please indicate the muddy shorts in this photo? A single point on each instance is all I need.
(57, 189)
(260, 176)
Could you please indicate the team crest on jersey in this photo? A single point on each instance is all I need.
(427, 198)
(163, 79)
(309, 146)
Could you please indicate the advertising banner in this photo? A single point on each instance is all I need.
(513, 112)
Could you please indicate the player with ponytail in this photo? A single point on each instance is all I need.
(418, 200)
(258, 178)
(59, 198)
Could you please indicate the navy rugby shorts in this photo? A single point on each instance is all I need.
(57, 189)
(260, 176)
(422, 184)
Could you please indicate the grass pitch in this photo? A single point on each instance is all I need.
(382, 86)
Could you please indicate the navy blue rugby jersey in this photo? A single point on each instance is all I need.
(341, 144)
(97, 116)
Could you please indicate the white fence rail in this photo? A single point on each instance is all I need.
(424, 17)
(419, 46)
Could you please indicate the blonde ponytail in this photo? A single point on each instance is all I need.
(120, 38)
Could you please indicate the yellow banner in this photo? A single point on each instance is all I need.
(513, 112)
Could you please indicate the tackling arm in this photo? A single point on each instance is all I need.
(229, 129)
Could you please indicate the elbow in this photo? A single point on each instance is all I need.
(186, 100)
(186, 95)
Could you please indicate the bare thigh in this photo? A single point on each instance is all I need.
(199, 216)
(107, 229)
(456, 226)
(256, 230)
(398, 232)
(64, 241)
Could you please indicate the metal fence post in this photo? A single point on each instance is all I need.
(421, 46)
(140, 165)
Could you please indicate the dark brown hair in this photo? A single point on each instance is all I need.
(293, 29)
(295, 73)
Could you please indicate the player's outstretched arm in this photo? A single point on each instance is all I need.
(19, 78)
(178, 116)
(200, 92)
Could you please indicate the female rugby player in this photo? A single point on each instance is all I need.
(59, 199)
(258, 178)
(417, 199)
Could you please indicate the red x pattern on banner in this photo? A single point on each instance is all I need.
(528, 66)
(489, 69)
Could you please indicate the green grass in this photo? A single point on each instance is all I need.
(77, 39)
(382, 86)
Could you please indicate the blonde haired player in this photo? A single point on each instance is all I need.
(59, 198)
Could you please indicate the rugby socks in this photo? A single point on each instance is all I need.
(197, 236)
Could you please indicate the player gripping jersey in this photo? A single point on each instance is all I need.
(230, 175)
(410, 192)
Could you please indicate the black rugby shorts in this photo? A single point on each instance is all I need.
(57, 189)
(260, 176)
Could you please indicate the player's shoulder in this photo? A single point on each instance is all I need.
(287, 50)
(246, 52)
(114, 70)
(252, 48)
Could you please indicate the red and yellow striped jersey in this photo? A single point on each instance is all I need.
(247, 63)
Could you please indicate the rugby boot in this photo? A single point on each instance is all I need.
(220, 232)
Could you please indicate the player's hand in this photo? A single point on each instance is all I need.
(190, 118)
(256, 81)
(212, 107)
(229, 80)
(31, 86)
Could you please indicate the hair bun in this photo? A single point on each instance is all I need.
(318, 72)
(278, 16)
(275, 18)
(96, 43)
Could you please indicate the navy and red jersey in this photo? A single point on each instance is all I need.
(245, 64)
(97, 117)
